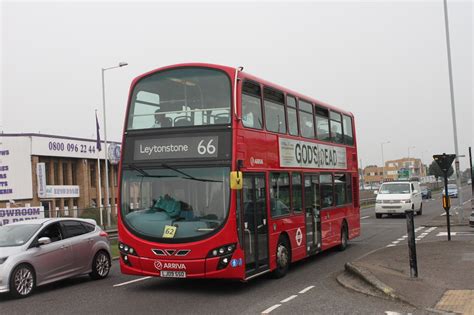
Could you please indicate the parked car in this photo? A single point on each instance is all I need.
(396, 197)
(452, 191)
(469, 181)
(425, 192)
(37, 252)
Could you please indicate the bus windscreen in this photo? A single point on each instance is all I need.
(190, 202)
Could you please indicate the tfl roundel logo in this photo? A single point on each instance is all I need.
(158, 265)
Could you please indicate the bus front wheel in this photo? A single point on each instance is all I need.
(282, 257)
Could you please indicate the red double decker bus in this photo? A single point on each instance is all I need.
(225, 175)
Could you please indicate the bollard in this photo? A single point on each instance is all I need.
(411, 243)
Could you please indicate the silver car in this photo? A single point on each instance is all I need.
(37, 252)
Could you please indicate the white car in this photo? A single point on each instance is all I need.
(397, 197)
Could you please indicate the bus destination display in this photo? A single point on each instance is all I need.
(176, 148)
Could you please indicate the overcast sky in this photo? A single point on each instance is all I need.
(385, 61)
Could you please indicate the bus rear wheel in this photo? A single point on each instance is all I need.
(344, 238)
(282, 257)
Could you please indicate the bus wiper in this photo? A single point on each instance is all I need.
(143, 173)
(187, 176)
(139, 170)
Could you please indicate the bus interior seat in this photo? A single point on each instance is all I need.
(182, 121)
(166, 122)
(222, 118)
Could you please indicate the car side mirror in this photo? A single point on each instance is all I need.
(376, 192)
(415, 191)
(44, 241)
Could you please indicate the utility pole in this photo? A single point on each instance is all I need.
(453, 112)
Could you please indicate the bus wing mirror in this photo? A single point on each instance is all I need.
(236, 180)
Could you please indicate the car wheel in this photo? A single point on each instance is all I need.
(344, 238)
(420, 212)
(22, 281)
(378, 215)
(100, 265)
(282, 257)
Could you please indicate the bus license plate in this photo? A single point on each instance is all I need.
(173, 274)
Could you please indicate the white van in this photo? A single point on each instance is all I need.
(396, 197)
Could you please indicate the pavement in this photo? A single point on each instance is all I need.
(445, 282)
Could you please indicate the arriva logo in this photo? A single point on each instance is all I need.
(159, 265)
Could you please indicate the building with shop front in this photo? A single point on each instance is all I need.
(56, 175)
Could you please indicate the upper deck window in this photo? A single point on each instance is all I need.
(306, 119)
(181, 97)
(251, 105)
(336, 127)
(347, 127)
(274, 110)
(292, 118)
(322, 123)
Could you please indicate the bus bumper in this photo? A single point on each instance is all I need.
(192, 268)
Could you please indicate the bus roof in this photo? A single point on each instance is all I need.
(243, 75)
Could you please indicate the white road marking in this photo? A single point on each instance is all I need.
(395, 242)
(268, 310)
(288, 299)
(390, 245)
(454, 233)
(306, 289)
(366, 217)
(132, 281)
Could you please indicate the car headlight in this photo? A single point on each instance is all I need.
(405, 201)
(3, 259)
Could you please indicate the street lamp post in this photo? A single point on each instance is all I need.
(453, 110)
(107, 201)
(383, 160)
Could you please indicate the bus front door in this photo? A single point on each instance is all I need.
(312, 208)
(255, 227)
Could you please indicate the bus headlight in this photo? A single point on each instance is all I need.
(126, 250)
(222, 251)
(223, 262)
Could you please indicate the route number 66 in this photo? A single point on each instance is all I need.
(206, 149)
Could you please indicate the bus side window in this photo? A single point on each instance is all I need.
(336, 127)
(340, 189)
(296, 193)
(292, 117)
(306, 119)
(274, 104)
(251, 106)
(322, 124)
(327, 190)
(279, 194)
(347, 128)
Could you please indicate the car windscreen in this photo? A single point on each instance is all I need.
(452, 186)
(17, 234)
(401, 188)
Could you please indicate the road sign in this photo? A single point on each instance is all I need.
(444, 161)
